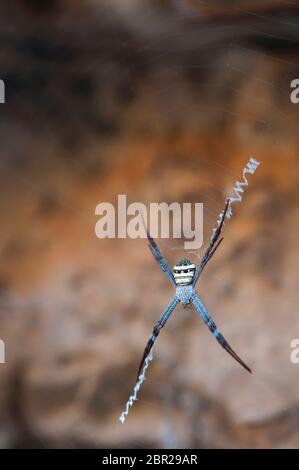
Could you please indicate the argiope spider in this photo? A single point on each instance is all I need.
(184, 276)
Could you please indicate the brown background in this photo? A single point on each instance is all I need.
(162, 101)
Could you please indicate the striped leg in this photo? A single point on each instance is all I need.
(214, 244)
(213, 328)
(168, 311)
(159, 258)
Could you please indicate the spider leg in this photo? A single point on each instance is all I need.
(214, 244)
(159, 258)
(166, 314)
(213, 328)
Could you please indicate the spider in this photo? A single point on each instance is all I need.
(184, 276)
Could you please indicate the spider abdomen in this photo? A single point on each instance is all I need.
(184, 272)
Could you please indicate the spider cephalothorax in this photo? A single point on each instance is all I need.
(184, 272)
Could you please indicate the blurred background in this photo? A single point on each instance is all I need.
(162, 100)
